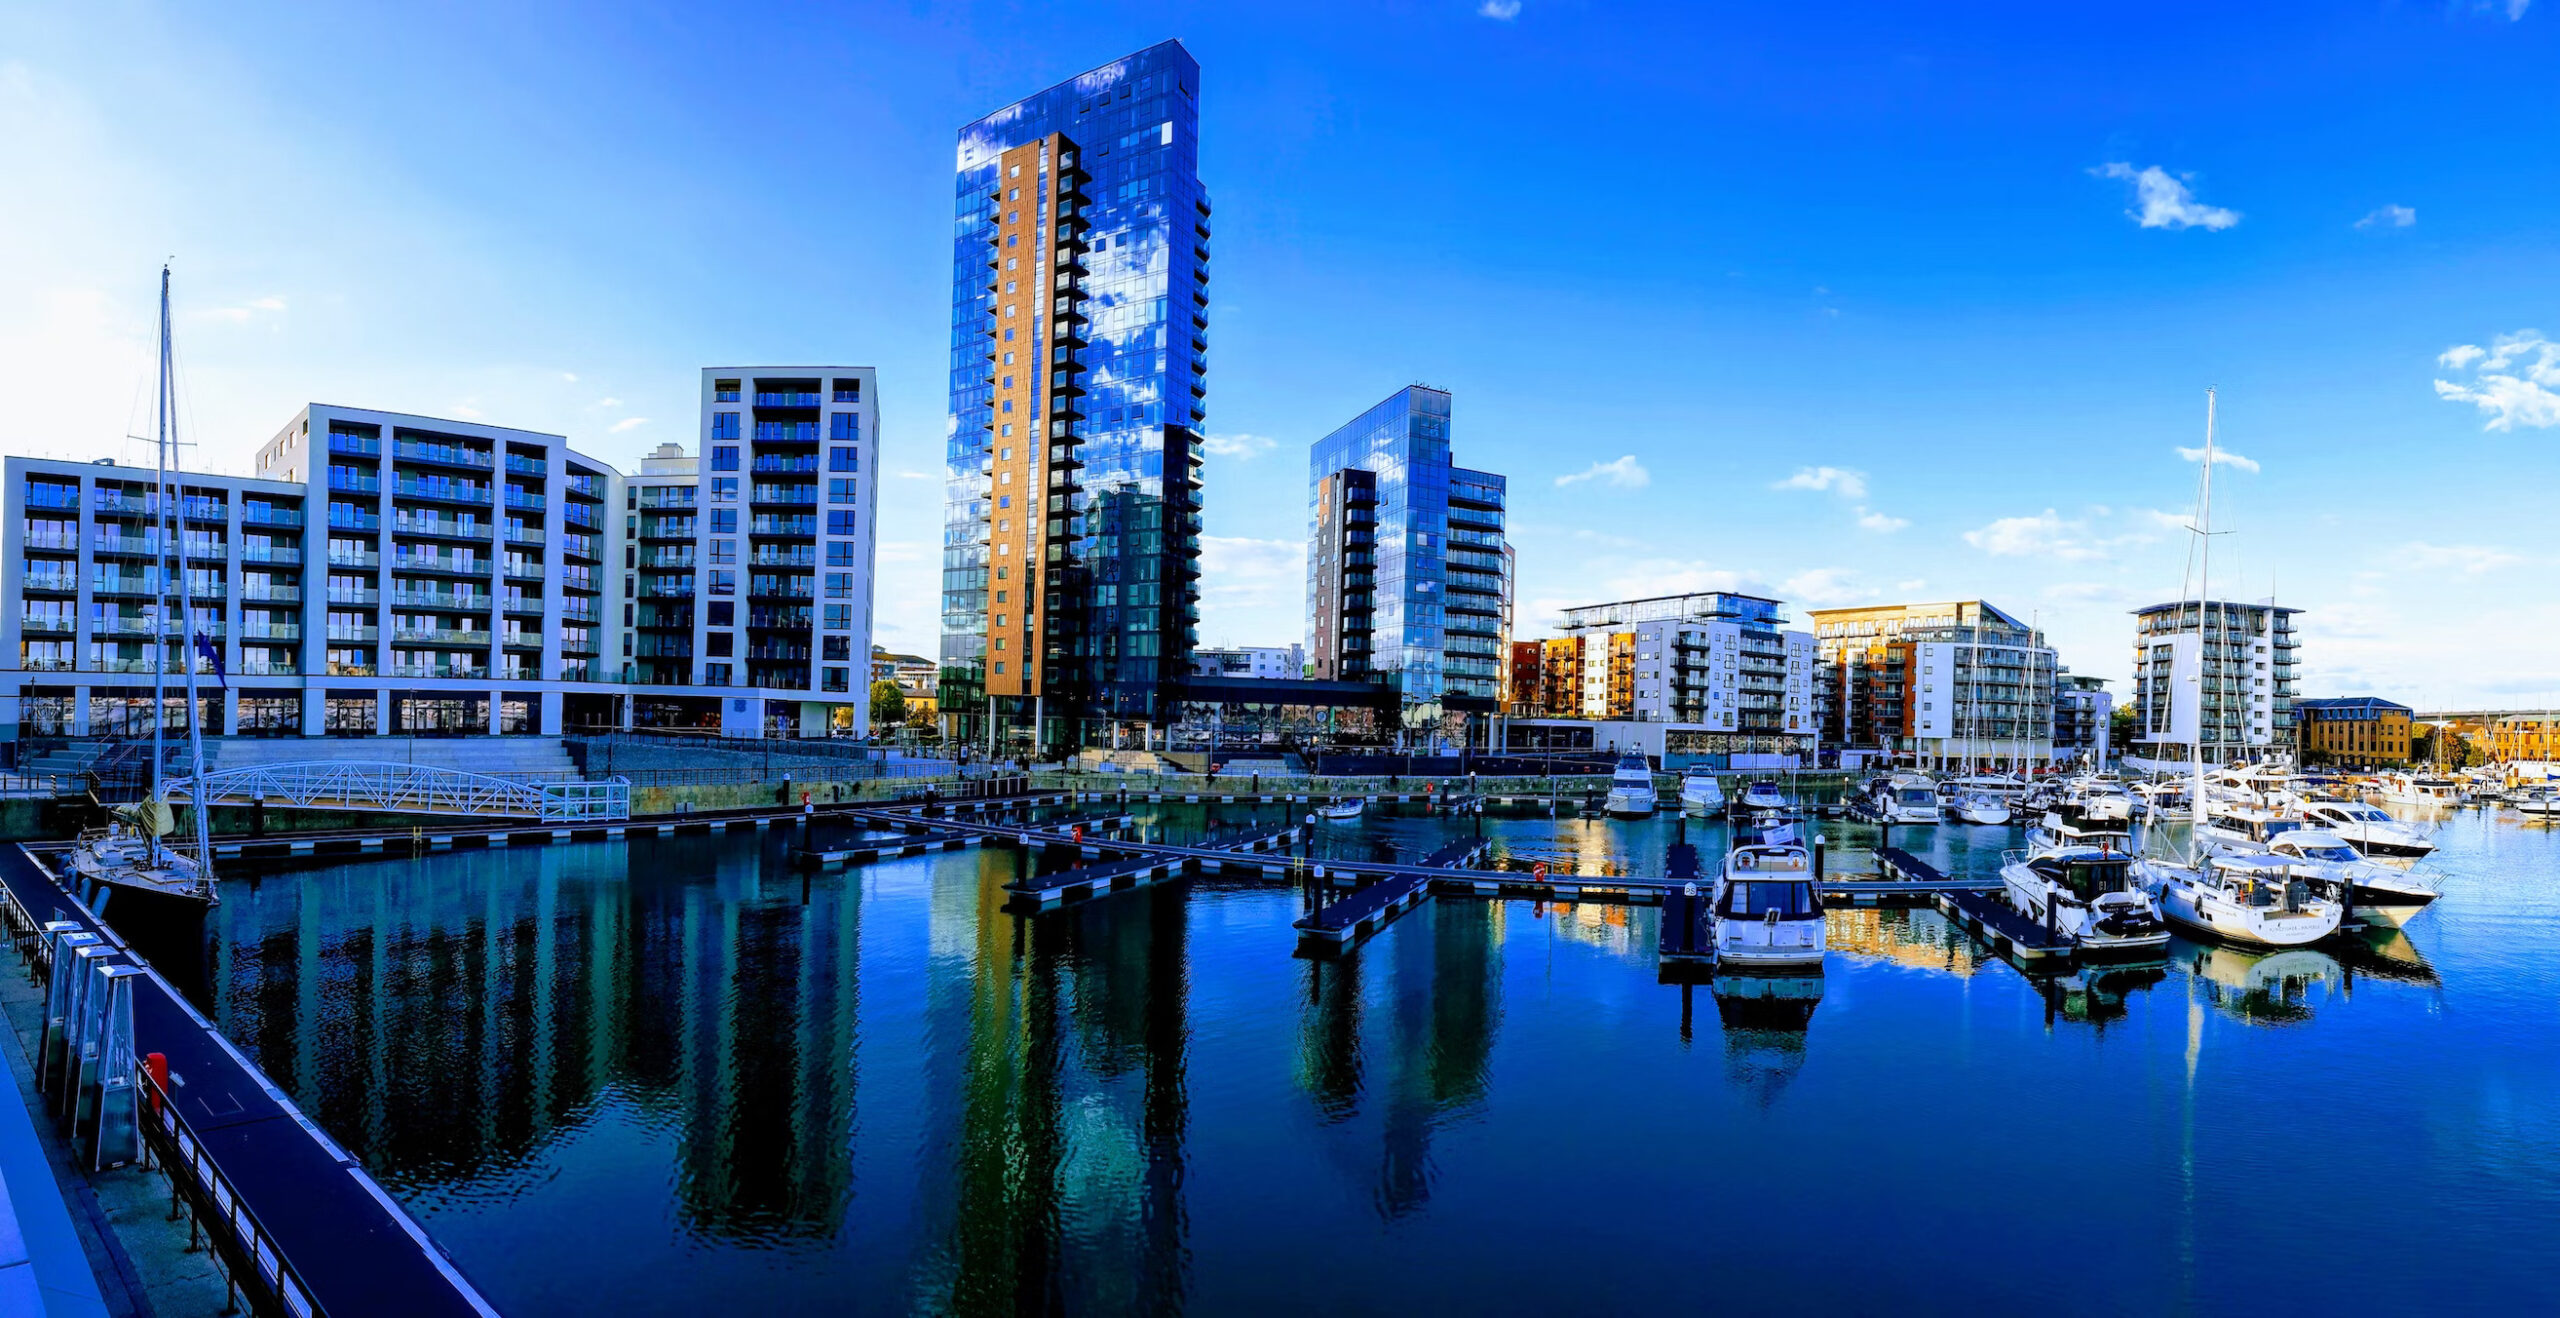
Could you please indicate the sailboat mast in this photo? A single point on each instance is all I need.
(186, 600)
(161, 558)
(2204, 600)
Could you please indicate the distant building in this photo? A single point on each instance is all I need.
(2218, 673)
(1715, 667)
(2082, 710)
(1952, 685)
(2531, 739)
(2352, 731)
(1266, 661)
(1408, 570)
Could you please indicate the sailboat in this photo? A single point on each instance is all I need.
(126, 862)
(2243, 898)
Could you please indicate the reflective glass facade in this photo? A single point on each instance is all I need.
(1087, 376)
(1422, 601)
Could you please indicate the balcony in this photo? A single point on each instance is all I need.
(269, 595)
(360, 446)
(439, 490)
(353, 635)
(118, 504)
(354, 482)
(259, 514)
(577, 610)
(63, 497)
(786, 400)
(667, 558)
(521, 502)
(346, 521)
(443, 566)
(786, 432)
(366, 598)
(446, 455)
(459, 672)
(272, 554)
(440, 528)
(524, 535)
(51, 583)
(520, 640)
(586, 486)
(524, 605)
(784, 526)
(523, 466)
(771, 465)
(287, 632)
(439, 636)
(440, 601)
(52, 624)
(802, 495)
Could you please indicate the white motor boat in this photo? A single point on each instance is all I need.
(1768, 916)
(1701, 793)
(2374, 892)
(2542, 804)
(1904, 798)
(1761, 797)
(2368, 829)
(1631, 794)
(2087, 891)
(2158, 800)
(1342, 810)
(1975, 807)
(2253, 899)
(2097, 801)
(2244, 828)
(2003, 789)
(2426, 789)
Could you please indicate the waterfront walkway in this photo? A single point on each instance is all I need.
(297, 1223)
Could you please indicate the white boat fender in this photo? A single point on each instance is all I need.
(1688, 890)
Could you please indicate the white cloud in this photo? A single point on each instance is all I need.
(1625, 473)
(2390, 217)
(1500, 10)
(2222, 457)
(1243, 448)
(1253, 590)
(2087, 592)
(2470, 560)
(1870, 520)
(1826, 585)
(1847, 483)
(608, 402)
(2041, 536)
(245, 312)
(465, 411)
(569, 376)
(627, 423)
(2515, 380)
(915, 475)
(2166, 201)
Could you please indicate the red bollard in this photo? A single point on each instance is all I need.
(158, 1065)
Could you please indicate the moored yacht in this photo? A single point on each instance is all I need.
(1350, 808)
(1762, 797)
(2542, 803)
(2428, 789)
(2088, 892)
(2374, 892)
(1631, 794)
(1977, 807)
(1904, 798)
(127, 865)
(2253, 899)
(2368, 829)
(1768, 915)
(2096, 800)
(1701, 793)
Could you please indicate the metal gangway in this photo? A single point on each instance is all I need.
(407, 789)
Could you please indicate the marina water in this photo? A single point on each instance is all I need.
(683, 1077)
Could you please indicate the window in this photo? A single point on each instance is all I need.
(715, 674)
(841, 490)
(724, 391)
(724, 551)
(724, 489)
(724, 581)
(724, 425)
(719, 645)
(839, 523)
(724, 458)
(837, 649)
(848, 391)
(839, 553)
(836, 680)
(839, 585)
(722, 613)
(724, 521)
(839, 616)
(842, 459)
(844, 425)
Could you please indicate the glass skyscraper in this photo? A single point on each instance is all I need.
(1408, 572)
(1079, 342)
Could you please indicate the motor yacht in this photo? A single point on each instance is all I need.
(2253, 899)
(1343, 810)
(1999, 787)
(1762, 797)
(2374, 892)
(2368, 829)
(2543, 803)
(2086, 891)
(1977, 807)
(1768, 915)
(1701, 793)
(2427, 789)
(2058, 829)
(1904, 798)
(1631, 794)
(2243, 828)
(2096, 800)
(2158, 800)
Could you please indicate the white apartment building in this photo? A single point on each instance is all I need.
(748, 585)
(2218, 672)
(386, 574)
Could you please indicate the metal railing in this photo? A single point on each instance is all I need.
(407, 789)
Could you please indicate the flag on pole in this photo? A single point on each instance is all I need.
(213, 653)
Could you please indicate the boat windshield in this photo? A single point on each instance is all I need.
(2338, 851)
(1753, 899)
(2087, 876)
(1918, 796)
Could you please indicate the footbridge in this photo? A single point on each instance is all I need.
(420, 789)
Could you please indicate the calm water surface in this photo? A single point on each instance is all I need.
(676, 1077)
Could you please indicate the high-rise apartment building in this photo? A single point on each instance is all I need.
(2083, 710)
(2217, 673)
(749, 577)
(1951, 685)
(387, 574)
(1079, 342)
(1408, 570)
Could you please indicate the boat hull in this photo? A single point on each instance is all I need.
(2180, 905)
(1623, 804)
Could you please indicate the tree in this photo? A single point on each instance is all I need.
(888, 706)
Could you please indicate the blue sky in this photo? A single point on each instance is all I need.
(1856, 303)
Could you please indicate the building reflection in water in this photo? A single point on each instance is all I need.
(445, 1017)
(1437, 981)
(1907, 936)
